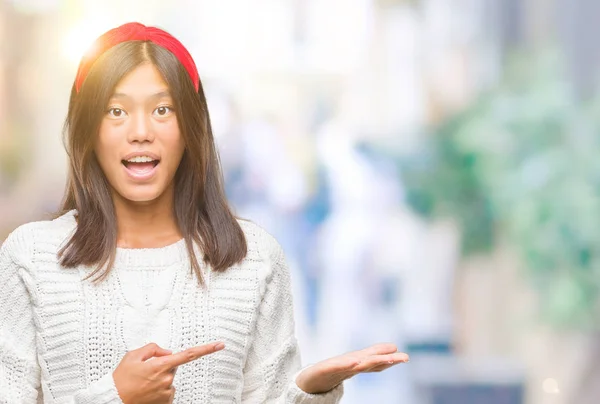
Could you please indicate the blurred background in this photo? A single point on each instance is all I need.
(429, 166)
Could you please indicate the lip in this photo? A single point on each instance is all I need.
(137, 176)
(140, 177)
(141, 153)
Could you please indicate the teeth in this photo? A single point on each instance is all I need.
(140, 159)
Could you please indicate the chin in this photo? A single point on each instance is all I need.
(141, 196)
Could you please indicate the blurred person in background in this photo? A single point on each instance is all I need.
(144, 200)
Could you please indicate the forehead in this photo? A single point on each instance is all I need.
(143, 81)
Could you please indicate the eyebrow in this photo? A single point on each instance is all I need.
(160, 94)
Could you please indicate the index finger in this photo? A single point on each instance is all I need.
(177, 359)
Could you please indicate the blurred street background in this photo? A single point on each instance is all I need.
(431, 168)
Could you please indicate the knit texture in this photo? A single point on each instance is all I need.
(61, 337)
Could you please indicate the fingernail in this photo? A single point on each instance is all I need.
(219, 345)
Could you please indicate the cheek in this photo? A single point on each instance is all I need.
(178, 154)
(174, 143)
(106, 146)
(179, 147)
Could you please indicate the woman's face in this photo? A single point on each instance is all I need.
(139, 146)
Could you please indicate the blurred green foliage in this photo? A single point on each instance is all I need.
(523, 164)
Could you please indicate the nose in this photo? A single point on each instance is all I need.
(141, 130)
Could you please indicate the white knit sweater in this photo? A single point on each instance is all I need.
(61, 337)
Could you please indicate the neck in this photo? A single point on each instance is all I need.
(149, 224)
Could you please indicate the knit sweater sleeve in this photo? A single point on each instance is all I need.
(274, 358)
(19, 367)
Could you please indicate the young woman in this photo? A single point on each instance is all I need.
(145, 288)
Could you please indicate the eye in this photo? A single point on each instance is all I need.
(116, 112)
(163, 110)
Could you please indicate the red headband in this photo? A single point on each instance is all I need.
(135, 31)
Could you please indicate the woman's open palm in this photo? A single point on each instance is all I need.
(325, 375)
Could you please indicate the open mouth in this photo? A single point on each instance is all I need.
(140, 169)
